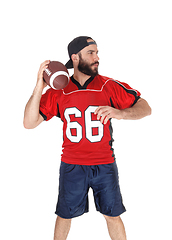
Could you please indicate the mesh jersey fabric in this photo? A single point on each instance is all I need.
(86, 141)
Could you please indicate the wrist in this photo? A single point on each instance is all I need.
(37, 90)
(124, 113)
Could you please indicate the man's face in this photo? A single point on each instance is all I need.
(88, 60)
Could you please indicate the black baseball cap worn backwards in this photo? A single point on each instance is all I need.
(75, 46)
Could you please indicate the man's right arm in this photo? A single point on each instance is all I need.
(32, 117)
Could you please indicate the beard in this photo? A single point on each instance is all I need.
(85, 68)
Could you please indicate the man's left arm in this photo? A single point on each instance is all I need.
(139, 110)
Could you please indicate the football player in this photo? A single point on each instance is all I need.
(86, 106)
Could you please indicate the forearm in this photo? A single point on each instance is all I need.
(32, 117)
(140, 110)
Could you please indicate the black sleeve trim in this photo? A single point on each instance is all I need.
(111, 103)
(136, 99)
(45, 117)
(58, 114)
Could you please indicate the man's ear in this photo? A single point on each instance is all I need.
(75, 58)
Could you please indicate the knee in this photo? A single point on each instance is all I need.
(112, 219)
(63, 219)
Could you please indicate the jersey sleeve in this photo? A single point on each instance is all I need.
(122, 95)
(49, 105)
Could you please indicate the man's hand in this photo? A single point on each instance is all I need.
(104, 113)
(32, 118)
(139, 110)
(40, 82)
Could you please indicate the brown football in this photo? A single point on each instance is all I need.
(56, 75)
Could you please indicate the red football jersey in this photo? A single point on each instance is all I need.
(86, 140)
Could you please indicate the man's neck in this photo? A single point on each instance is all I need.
(80, 77)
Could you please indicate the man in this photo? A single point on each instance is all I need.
(86, 107)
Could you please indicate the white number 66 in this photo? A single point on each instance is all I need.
(89, 124)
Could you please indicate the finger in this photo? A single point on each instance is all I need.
(100, 111)
(101, 114)
(107, 119)
(46, 62)
(43, 66)
(97, 109)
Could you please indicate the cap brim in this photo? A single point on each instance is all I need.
(69, 64)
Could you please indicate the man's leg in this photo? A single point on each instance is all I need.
(116, 228)
(62, 228)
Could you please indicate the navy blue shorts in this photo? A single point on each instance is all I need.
(74, 184)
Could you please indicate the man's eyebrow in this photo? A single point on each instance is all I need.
(91, 51)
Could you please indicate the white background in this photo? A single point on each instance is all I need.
(135, 46)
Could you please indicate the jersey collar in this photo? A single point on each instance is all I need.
(79, 85)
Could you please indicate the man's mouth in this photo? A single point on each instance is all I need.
(96, 64)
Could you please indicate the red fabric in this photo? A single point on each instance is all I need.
(86, 140)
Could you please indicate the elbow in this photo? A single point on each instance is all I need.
(146, 107)
(30, 123)
(149, 111)
(27, 125)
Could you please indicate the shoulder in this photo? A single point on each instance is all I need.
(52, 92)
(112, 81)
(117, 84)
(103, 79)
(107, 80)
(51, 95)
(118, 88)
(99, 82)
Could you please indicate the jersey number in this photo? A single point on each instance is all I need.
(89, 125)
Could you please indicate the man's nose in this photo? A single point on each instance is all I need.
(96, 58)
